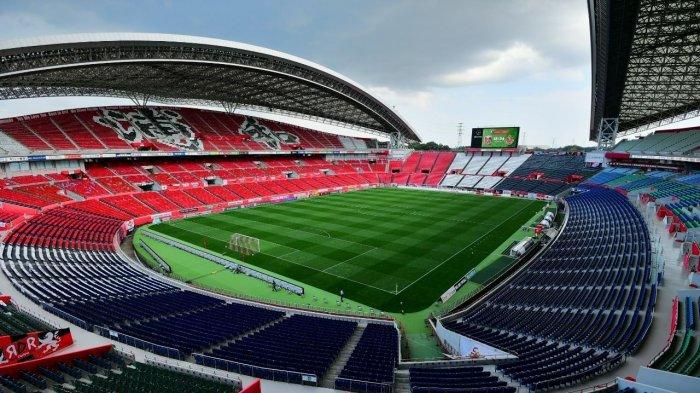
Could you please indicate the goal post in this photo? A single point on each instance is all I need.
(243, 244)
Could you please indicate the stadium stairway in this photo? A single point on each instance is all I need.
(402, 384)
(503, 377)
(328, 380)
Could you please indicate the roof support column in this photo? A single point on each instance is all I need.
(229, 107)
(139, 99)
(607, 133)
(397, 141)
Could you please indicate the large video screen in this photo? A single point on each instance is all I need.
(495, 138)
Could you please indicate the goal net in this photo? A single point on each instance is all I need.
(243, 244)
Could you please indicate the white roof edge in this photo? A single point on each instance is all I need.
(78, 38)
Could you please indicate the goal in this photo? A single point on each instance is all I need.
(243, 244)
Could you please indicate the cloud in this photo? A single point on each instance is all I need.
(34, 19)
(420, 99)
(438, 62)
(515, 61)
(411, 44)
(17, 24)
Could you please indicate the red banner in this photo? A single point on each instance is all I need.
(34, 345)
(253, 387)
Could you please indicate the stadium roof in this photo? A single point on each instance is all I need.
(646, 62)
(190, 70)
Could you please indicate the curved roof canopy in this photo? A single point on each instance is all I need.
(190, 70)
(646, 62)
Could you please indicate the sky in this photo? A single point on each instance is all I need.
(437, 62)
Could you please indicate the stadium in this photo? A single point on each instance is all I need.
(182, 244)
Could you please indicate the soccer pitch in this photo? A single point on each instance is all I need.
(390, 249)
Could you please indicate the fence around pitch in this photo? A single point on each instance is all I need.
(374, 314)
(139, 343)
(256, 371)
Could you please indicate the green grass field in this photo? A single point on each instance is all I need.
(381, 246)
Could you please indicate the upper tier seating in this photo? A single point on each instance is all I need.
(11, 147)
(132, 128)
(608, 175)
(683, 142)
(678, 194)
(644, 180)
(71, 127)
(106, 135)
(553, 166)
(580, 305)
(547, 174)
(681, 198)
(21, 134)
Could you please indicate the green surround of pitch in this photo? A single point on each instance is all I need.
(389, 249)
(421, 343)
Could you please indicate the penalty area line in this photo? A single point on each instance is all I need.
(298, 264)
(464, 248)
(348, 260)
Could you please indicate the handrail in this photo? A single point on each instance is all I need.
(672, 332)
(196, 369)
(249, 369)
(370, 386)
(138, 343)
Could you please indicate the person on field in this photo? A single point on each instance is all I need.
(342, 295)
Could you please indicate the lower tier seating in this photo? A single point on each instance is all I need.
(110, 373)
(301, 344)
(15, 322)
(373, 360)
(456, 379)
(581, 305)
(683, 356)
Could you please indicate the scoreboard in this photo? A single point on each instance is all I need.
(495, 137)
